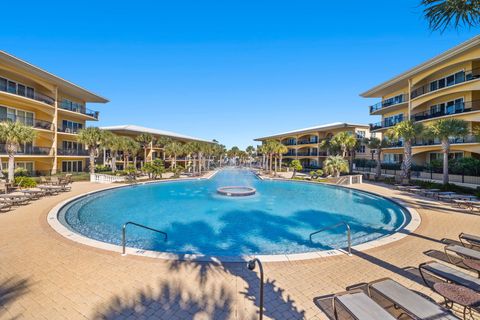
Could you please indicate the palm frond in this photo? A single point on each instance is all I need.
(442, 14)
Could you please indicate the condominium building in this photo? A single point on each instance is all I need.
(54, 107)
(447, 86)
(304, 144)
(154, 151)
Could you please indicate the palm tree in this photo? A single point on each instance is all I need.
(146, 141)
(92, 138)
(444, 129)
(173, 150)
(14, 134)
(296, 166)
(114, 144)
(444, 13)
(406, 131)
(346, 142)
(250, 150)
(335, 165)
(261, 150)
(269, 149)
(280, 150)
(377, 145)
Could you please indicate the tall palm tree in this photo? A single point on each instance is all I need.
(347, 143)
(146, 141)
(269, 149)
(250, 150)
(335, 165)
(174, 149)
(113, 143)
(92, 138)
(406, 131)
(377, 145)
(444, 13)
(280, 150)
(444, 129)
(130, 148)
(14, 134)
(261, 150)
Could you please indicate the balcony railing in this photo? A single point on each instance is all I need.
(307, 153)
(447, 110)
(289, 143)
(29, 150)
(389, 102)
(68, 130)
(35, 96)
(308, 141)
(72, 152)
(39, 124)
(437, 84)
(385, 124)
(426, 142)
(82, 110)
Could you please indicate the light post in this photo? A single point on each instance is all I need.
(251, 266)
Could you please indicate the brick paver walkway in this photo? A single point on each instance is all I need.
(44, 276)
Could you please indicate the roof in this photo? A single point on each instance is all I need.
(467, 45)
(322, 127)
(63, 84)
(139, 129)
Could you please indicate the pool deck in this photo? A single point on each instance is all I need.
(46, 276)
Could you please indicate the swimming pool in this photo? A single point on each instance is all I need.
(278, 219)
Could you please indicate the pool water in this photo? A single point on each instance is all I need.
(278, 219)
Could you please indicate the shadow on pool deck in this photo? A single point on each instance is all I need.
(10, 290)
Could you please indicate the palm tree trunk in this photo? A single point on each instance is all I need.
(270, 163)
(276, 165)
(11, 167)
(281, 159)
(407, 160)
(144, 155)
(114, 161)
(92, 161)
(379, 165)
(445, 150)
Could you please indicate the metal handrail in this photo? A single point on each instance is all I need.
(124, 233)
(349, 238)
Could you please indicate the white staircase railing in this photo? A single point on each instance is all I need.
(105, 178)
(348, 180)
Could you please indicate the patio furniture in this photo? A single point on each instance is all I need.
(50, 190)
(447, 274)
(15, 198)
(463, 252)
(471, 239)
(472, 264)
(454, 293)
(359, 306)
(411, 303)
(33, 194)
(44, 180)
(469, 204)
(60, 183)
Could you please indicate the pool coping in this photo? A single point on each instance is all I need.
(52, 219)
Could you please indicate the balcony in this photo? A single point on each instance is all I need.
(389, 102)
(313, 141)
(437, 84)
(434, 142)
(457, 108)
(68, 130)
(80, 109)
(308, 154)
(30, 95)
(289, 154)
(289, 143)
(29, 150)
(38, 124)
(72, 152)
(385, 124)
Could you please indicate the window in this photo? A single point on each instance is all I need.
(450, 107)
(3, 84)
(448, 81)
(361, 149)
(72, 106)
(72, 166)
(16, 88)
(71, 127)
(392, 157)
(11, 114)
(393, 120)
(29, 166)
(71, 145)
(438, 156)
(361, 134)
(394, 100)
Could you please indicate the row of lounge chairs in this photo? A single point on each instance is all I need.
(463, 201)
(16, 197)
(384, 299)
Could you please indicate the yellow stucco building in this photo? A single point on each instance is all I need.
(154, 151)
(304, 144)
(447, 86)
(54, 107)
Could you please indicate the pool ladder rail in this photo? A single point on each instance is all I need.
(124, 233)
(334, 226)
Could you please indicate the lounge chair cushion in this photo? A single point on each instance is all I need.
(362, 307)
(453, 275)
(463, 251)
(411, 302)
(470, 238)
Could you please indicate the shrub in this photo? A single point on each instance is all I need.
(102, 168)
(154, 169)
(177, 171)
(18, 172)
(25, 182)
(365, 163)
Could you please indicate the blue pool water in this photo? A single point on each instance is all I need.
(276, 220)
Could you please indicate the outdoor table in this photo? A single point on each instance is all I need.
(461, 295)
(473, 264)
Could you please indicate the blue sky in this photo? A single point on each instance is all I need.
(225, 70)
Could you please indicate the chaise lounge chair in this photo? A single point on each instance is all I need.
(448, 274)
(411, 303)
(359, 306)
(471, 239)
(463, 252)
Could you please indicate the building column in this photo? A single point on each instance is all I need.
(55, 133)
